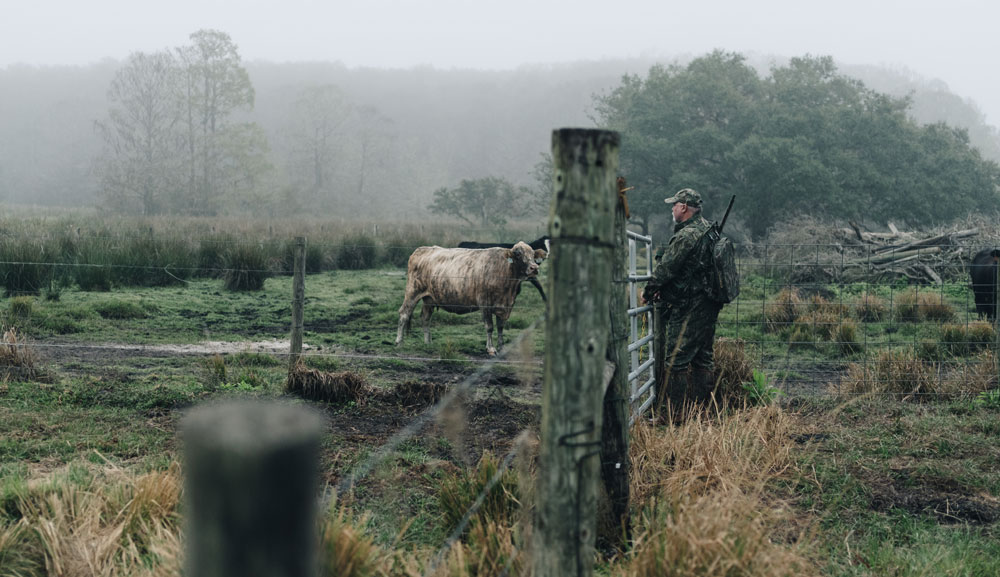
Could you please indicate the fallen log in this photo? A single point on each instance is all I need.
(946, 239)
(898, 255)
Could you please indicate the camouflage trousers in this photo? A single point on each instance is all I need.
(690, 334)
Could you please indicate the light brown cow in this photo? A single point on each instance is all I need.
(461, 280)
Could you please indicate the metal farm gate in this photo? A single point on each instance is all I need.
(640, 344)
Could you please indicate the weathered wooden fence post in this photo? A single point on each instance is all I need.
(298, 301)
(250, 490)
(581, 221)
(614, 451)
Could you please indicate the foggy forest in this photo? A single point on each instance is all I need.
(196, 130)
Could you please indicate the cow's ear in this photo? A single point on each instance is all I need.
(540, 255)
(509, 255)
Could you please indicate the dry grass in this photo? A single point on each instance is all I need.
(978, 376)
(116, 524)
(870, 308)
(344, 548)
(732, 368)
(899, 372)
(816, 325)
(846, 337)
(16, 358)
(914, 306)
(704, 482)
(418, 393)
(817, 303)
(491, 551)
(339, 387)
(783, 310)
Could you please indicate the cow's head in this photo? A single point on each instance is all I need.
(525, 260)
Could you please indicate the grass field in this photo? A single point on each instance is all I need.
(860, 484)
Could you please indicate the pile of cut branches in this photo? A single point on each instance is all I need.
(928, 260)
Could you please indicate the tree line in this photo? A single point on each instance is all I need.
(804, 139)
(196, 130)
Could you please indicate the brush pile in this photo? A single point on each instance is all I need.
(806, 250)
(926, 260)
(340, 387)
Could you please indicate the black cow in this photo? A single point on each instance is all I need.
(983, 271)
(541, 243)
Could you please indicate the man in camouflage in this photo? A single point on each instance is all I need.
(689, 315)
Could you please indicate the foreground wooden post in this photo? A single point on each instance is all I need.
(581, 222)
(614, 449)
(250, 490)
(298, 301)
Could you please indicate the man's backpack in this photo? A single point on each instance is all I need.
(723, 280)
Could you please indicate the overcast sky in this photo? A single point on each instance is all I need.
(955, 41)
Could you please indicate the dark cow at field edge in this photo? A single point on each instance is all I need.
(540, 243)
(461, 280)
(983, 271)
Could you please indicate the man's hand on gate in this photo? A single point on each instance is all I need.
(649, 294)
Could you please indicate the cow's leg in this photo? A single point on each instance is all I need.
(425, 317)
(501, 320)
(405, 312)
(488, 321)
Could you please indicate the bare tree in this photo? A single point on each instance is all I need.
(374, 136)
(215, 85)
(138, 165)
(318, 115)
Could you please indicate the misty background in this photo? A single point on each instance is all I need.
(351, 142)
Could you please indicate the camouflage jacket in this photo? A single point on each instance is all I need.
(682, 271)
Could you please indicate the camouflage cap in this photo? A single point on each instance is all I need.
(688, 196)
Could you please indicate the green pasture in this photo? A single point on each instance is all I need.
(892, 486)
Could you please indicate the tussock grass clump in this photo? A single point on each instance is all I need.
(492, 550)
(146, 260)
(418, 393)
(981, 335)
(705, 481)
(215, 372)
(245, 267)
(356, 253)
(341, 387)
(210, 255)
(697, 457)
(870, 308)
(20, 308)
(397, 249)
(459, 490)
(899, 372)
(732, 368)
(717, 535)
(821, 305)
(962, 339)
(979, 376)
(914, 306)
(20, 551)
(783, 310)
(818, 324)
(846, 337)
(315, 258)
(344, 547)
(16, 357)
(101, 522)
(24, 266)
(121, 310)
(928, 350)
